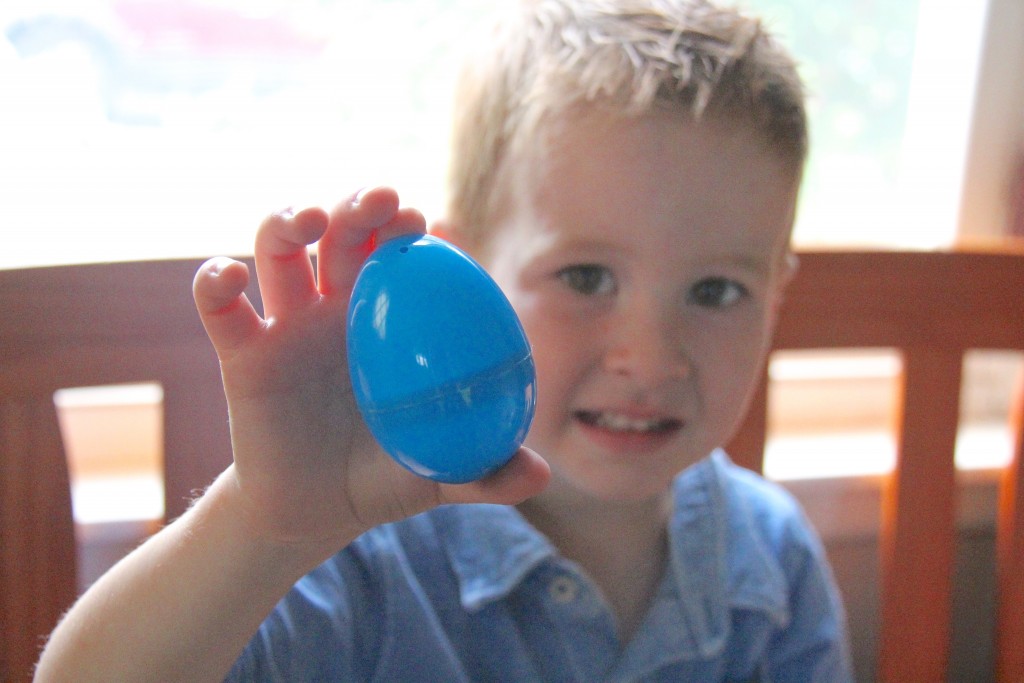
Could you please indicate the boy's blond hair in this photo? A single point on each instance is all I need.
(549, 56)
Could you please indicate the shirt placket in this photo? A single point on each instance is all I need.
(584, 621)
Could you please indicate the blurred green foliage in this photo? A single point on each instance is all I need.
(856, 58)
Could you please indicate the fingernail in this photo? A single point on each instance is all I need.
(218, 264)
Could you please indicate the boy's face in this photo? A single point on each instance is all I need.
(646, 259)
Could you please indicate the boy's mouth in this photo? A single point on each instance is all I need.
(617, 422)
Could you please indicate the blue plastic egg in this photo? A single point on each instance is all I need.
(440, 365)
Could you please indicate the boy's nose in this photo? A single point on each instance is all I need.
(648, 350)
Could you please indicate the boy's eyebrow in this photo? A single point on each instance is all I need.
(762, 263)
(581, 244)
(755, 259)
(759, 264)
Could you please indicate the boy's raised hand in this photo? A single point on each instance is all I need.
(307, 472)
(307, 476)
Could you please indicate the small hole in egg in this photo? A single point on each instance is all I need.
(404, 250)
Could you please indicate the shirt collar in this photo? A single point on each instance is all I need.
(718, 560)
(492, 548)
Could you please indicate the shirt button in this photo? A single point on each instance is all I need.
(563, 589)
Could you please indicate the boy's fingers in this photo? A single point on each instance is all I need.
(282, 260)
(228, 316)
(524, 476)
(356, 226)
(405, 221)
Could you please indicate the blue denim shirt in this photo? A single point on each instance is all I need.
(474, 593)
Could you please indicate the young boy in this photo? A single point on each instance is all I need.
(628, 172)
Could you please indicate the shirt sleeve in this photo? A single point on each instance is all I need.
(311, 634)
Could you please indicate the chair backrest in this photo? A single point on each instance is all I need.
(113, 323)
(932, 307)
(76, 326)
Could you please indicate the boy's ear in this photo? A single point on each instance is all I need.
(790, 265)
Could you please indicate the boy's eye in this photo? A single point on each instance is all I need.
(589, 279)
(716, 292)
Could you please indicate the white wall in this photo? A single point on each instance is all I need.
(996, 143)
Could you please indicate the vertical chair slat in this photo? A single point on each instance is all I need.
(1010, 567)
(37, 536)
(197, 445)
(747, 446)
(918, 534)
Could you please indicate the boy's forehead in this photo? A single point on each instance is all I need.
(660, 140)
(592, 169)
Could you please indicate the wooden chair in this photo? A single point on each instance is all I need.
(932, 307)
(77, 326)
(114, 323)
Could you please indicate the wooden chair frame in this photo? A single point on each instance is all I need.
(932, 307)
(133, 322)
(78, 326)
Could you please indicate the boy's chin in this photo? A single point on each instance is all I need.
(609, 487)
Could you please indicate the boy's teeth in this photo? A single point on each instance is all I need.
(622, 423)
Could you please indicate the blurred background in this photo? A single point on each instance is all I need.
(152, 129)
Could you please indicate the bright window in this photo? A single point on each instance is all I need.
(148, 128)
(890, 93)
